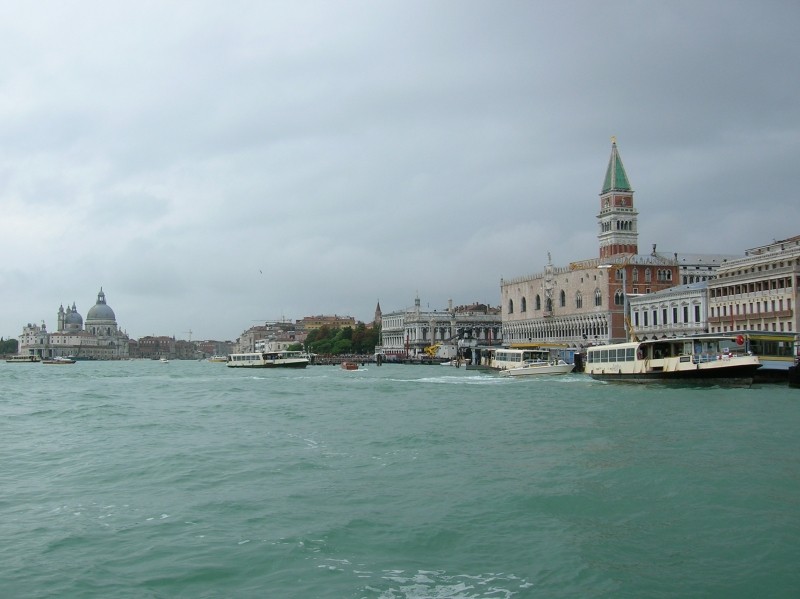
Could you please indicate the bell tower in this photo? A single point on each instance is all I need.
(617, 218)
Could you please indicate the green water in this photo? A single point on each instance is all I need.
(189, 479)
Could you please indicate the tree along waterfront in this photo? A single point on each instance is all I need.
(342, 342)
(8, 347)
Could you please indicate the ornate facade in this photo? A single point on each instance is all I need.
(406, 333)
(757, 292)
(680, 310)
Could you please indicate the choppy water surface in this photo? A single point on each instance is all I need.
(189, 479)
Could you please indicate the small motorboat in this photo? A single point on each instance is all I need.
(58, 360)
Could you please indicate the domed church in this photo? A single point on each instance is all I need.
(101, 321)
(99, 338)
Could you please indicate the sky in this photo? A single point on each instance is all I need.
(215, 165)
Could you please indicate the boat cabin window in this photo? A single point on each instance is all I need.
(662, 350)
(619, 354)
(770, 347)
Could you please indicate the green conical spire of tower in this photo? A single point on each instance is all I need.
(616, 178)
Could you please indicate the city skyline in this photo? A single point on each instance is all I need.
(216, 166)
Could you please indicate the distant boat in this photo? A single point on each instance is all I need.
(275, 359)
(218, 359)
(23, 359)
(58, 360)
(349, 366)
(164, 360)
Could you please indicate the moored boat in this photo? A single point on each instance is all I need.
(538, 367)
(274, 359)
(794, 376)
(528, 362)
(695, 359)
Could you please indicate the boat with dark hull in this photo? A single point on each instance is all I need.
(23, 359)
(702, 359)
(794, 375)
(272, 359)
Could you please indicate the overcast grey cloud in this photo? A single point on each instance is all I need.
(211, 164)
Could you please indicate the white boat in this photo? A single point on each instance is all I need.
(58, 360)
(23, 359)
(697, 359)
(218, 359)
(528, 362)
(454, 362)
(164, 360)
(272, 359)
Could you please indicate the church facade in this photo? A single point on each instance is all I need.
(585, 302)
(98, 338)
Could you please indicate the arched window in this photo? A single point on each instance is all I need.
(598, 298)
(647, 275)
(548, 304)
(524, 305)
(511, 306)
(538, 302)
(578, 300)
(562, 299)
(619, 298)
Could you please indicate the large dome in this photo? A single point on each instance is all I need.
(101, 310)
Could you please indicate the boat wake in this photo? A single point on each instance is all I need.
(396, 584)
(455, 380)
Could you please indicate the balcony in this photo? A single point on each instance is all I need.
(754, 316)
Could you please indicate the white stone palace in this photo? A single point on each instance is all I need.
(99, 338)
(406, 333)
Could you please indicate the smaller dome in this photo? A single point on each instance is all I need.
(72, 316)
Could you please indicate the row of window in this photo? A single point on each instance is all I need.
(621, 225)
(648, 318)
(775, 327)
(623, 354)
(754, 287)
(662, 274)
(764, 267)
(548, 302)
(764, 307)
(245, 357)
(567, 329)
